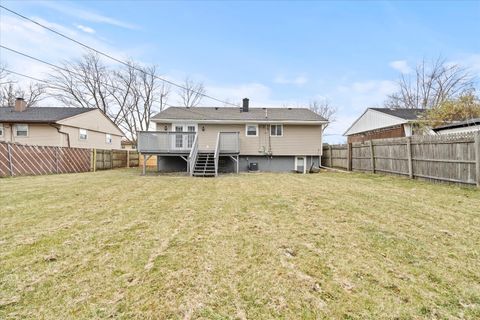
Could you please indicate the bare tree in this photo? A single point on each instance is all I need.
(83, 83)
(137, 92)
(431, 85)
(324, 109)
(33, 94)
(3, 74)
(192, 93)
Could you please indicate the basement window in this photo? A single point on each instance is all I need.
(251, 130)
(276, 130)
(21, 130)
(82, 134)
(108, 138)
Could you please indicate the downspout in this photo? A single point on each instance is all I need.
(62, 132)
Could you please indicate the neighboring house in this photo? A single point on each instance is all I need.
(205, 140)
(381, 123)
(468, 126)
(128, 144)
(64, 127)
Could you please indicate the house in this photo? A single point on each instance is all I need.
(468, 126)
(381, 123)
(128, 144)
(206, 140)
(63, 127)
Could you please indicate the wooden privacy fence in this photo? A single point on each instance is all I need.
(111, 159)
(21, 160)
(451, 158)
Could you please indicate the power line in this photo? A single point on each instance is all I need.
(57, 67)
(52, 85)
(113, 58)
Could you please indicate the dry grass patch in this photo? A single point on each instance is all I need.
(117, 245)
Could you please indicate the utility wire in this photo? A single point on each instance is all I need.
(52, 85)
(56, 67)
(113, 58)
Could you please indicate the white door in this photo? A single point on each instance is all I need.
(184, 141)
(178, 142)
(301, 164)
(191, 137)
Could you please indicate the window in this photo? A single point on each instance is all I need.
(21, 130)
(108, 138)
(276, 130)
(251, 130)
(1, 130)
(83, 134)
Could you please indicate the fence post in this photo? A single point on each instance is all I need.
(477, 157)
(409, 154)
(94, 160)
(372, 156)
(111, 159)
(331, 155)
(349, 157)
(128, 158)
(10, 164)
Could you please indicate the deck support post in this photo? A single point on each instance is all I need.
(144, 164)
(236, 159)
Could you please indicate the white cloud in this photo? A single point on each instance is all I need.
(401, 66)
(298, 80)
(85, 28)
(83, 14)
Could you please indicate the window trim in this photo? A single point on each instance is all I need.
(251, 125)
(107, 135)
(80, 134)
(276, 124)
(16, 130)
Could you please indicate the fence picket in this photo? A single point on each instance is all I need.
(450, 158)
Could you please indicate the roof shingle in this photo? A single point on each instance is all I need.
(40, 114)
(407, 114)
(226, 113)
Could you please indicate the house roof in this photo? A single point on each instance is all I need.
(466, 123)
(40, 114)
(406, 114)
(378, 118)
(236, 114)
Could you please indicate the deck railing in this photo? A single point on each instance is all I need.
(217, 153)
(165, 142)
(192, 157)
(229, 142)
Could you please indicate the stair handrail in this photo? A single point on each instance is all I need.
(192, 157)
(217, 154)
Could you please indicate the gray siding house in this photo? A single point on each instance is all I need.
(206, 140)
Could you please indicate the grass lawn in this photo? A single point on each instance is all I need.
(115, 244)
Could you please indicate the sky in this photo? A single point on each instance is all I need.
(276, 53)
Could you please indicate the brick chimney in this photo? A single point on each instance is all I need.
(20, 105)
(245, 105)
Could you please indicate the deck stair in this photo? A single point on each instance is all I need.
(204, 165)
